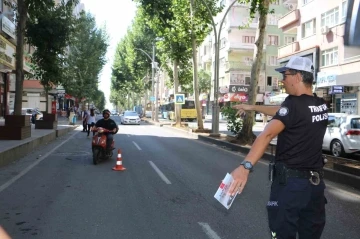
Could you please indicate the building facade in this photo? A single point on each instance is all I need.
(320, 36)
(237, 46)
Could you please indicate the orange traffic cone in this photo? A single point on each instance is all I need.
(118, 166)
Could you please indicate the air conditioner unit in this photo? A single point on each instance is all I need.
(325, 30)
(291, 7)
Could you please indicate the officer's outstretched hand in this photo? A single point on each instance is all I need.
(242, 108)
(240, 176)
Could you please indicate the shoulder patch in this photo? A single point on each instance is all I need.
(283, 111)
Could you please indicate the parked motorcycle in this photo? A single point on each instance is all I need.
(99, 146)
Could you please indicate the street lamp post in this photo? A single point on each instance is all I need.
(153, 67)
(216, 107)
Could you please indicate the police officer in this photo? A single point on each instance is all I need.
(297, 201)
(108, 124)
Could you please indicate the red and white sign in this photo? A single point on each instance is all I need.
(239, 97)
(53, 107)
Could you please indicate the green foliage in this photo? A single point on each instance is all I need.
(85, 58)
(234, 123)
(49, 32)
(204, 81)
(99, 99)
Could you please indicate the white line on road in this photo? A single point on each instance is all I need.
(207, 229)
(137, 146)
(22, 173)
(162, 176)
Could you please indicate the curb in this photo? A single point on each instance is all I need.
(329, 174)
(13, 154)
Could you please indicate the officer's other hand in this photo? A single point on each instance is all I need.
(114, 130)
(240, 176)
(242, 108)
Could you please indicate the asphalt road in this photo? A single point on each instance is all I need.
(167, 191)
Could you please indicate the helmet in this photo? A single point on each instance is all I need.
(106, 112)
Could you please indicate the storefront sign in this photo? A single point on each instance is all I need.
(223, 89)
(53, 107)
(336, 89)
(239, 88)
(238, 97)
(7, 51)
(8, 27)
(325, 79)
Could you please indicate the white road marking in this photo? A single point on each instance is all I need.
(137, 146)
(22, 173)
(209, 232)
(162, 176)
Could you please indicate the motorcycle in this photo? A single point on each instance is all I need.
(99, 145)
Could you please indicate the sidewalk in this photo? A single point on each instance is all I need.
(11, 150)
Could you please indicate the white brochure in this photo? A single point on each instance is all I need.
(222, 194)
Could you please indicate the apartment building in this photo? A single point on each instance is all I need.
(237, 52)
(319, 28)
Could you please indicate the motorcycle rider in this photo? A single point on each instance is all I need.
(108, 124)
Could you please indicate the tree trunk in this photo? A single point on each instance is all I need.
(47, 101)
(176, 90)
(195, 68)
(22, 13)
(246, 134)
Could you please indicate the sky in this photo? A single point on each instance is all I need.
(117, 15)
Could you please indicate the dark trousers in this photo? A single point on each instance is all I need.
(84, 126)
(109, 139)
(89, 127)
(297, 207)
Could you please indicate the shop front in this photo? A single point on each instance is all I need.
(7, 65)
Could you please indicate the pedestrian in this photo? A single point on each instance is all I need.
(91, 122)
(85, 118)
(297, 201)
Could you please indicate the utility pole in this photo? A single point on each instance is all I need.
(216, 107)
(157, 97)
(152, 81)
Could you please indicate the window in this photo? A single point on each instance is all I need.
(330, 18)
(309, 28)
(289, 40)
(273, 61)
(205, 50)
(272, 19)
(273, 40)
(272, 81)
(248, 39)
(343, 11)
(247, 80)
(306, 1)
(248, 61)
(222, 62)
(222, 43)
(276, 2)
(329, 57)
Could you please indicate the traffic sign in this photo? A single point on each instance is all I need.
(179, 99)
(152, 98)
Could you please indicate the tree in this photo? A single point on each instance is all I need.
(173, 27)
(246, 134)
(26, 9)
(204, 82)
(99, 99)
(49, 33)
(86, 58)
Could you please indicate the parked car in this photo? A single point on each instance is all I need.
(114, 112)
(130, 117)
(148, 114)
(342, 135)
(259, 117)
(30, 112)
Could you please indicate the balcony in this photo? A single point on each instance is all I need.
(239, 46)
(253, 25)
(288, 49)
(240, 66)
(286, 22)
